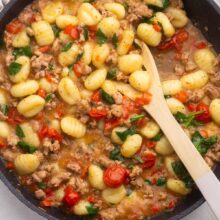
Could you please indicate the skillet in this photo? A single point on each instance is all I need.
(205, 13)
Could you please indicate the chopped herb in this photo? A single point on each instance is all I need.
(2, 42)
(148, 182)
(182, 173)
(22, 51)
(56, 30)
(131, 166)
(138, 158)
(148, 20)
(19, 132)
(70, 67)
(106, 97)
(112, 73)
(136, 117)
(161, 181)
(50, 66)
(126, 6)
(100, 37)
(136, 45)
(49, 97)
(14, 68)
(29, 148)
(157, 137)
(116, 154)
(115, 41)
(188, 120)
(92, 210)
(85, 33)
(79, 56)
(42, 185)
(167, 96)
(124, 134)
(203, 144)
(4, 109)
(67, 46)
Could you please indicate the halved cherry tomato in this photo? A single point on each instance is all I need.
(201, 45)
(71, 197)
(77, 69)
(2, 143)
(176, 41)
(149, 160)
(14, 27)
(72, 31)
(191, 107)
(44, 49)
(205, 116)
(97, 114)
(182, 96)
(157, 27)
(115, 175)
(144, 100)
(96, 97)
(42, 93)
(14, 116)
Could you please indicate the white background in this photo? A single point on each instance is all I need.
(12, 209)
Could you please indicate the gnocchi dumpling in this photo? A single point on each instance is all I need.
(95, 79)
(126, 42)
(178, 186)
(114, 137)
(114, 196)
(68, 57)
(158, 3)
(109, 26)
(24, 88)
(81, 207)
(95, 177)
(88, 15)
(205, 59)
(140, 80)
(43, 33)
(150, 130)
(116, 8)
(100, 54)
(69, 91)
(214, 110)
(177, 17)
(175, 105)
(65, 38)
(22, 75)
(55, 123)
(31, 105)
(135, 62)
(164, 147)
(195, 80)
(148, 34)
(30, 136)
(73, 127)
(46, 85)
(26, 163)
(171, 87)
(51, 11)
(168, 163)
(63, 21)
(3, 99)
(87, 52)
(109, 87)
(21, 40)
(131, 145)
(4, 129)
(168, 28)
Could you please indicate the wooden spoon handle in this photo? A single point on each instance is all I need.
(195, 164)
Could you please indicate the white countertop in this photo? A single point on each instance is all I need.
(12, 209)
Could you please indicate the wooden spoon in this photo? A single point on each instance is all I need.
(191, 158)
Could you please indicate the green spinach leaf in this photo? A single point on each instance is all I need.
(28, 148)
(19, 132)
(14, 68)
(100, 37)
(115, 41)
(92, 210)
(115, 154)
(22, 51)
(107, 98)
(124, 134)
(137, 117)
(67, 46)
(112, 73)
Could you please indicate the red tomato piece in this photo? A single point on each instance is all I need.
(91, 199)
(149, 160)
(97, 114)
(44, 49)
(60, 109)
(43, 132)
(182, 96)
(14, 116)
(144, 100)
(155, 208)
(115, 175)
(205, 116)
(112, 123)
(141, 122)
(72, 31)
(47, 202)
(42, 93)
(9, 165)
(77, 69)
(150, 144)
(2, 143)
(96, 97)
(157, 27)
(92, 31)
(53, 134)
(201, 45)
(71, 197)
(191, 107)
(14, 27)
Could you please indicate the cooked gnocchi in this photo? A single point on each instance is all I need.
(73, 87)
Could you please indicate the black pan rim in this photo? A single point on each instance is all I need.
(17, 193)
